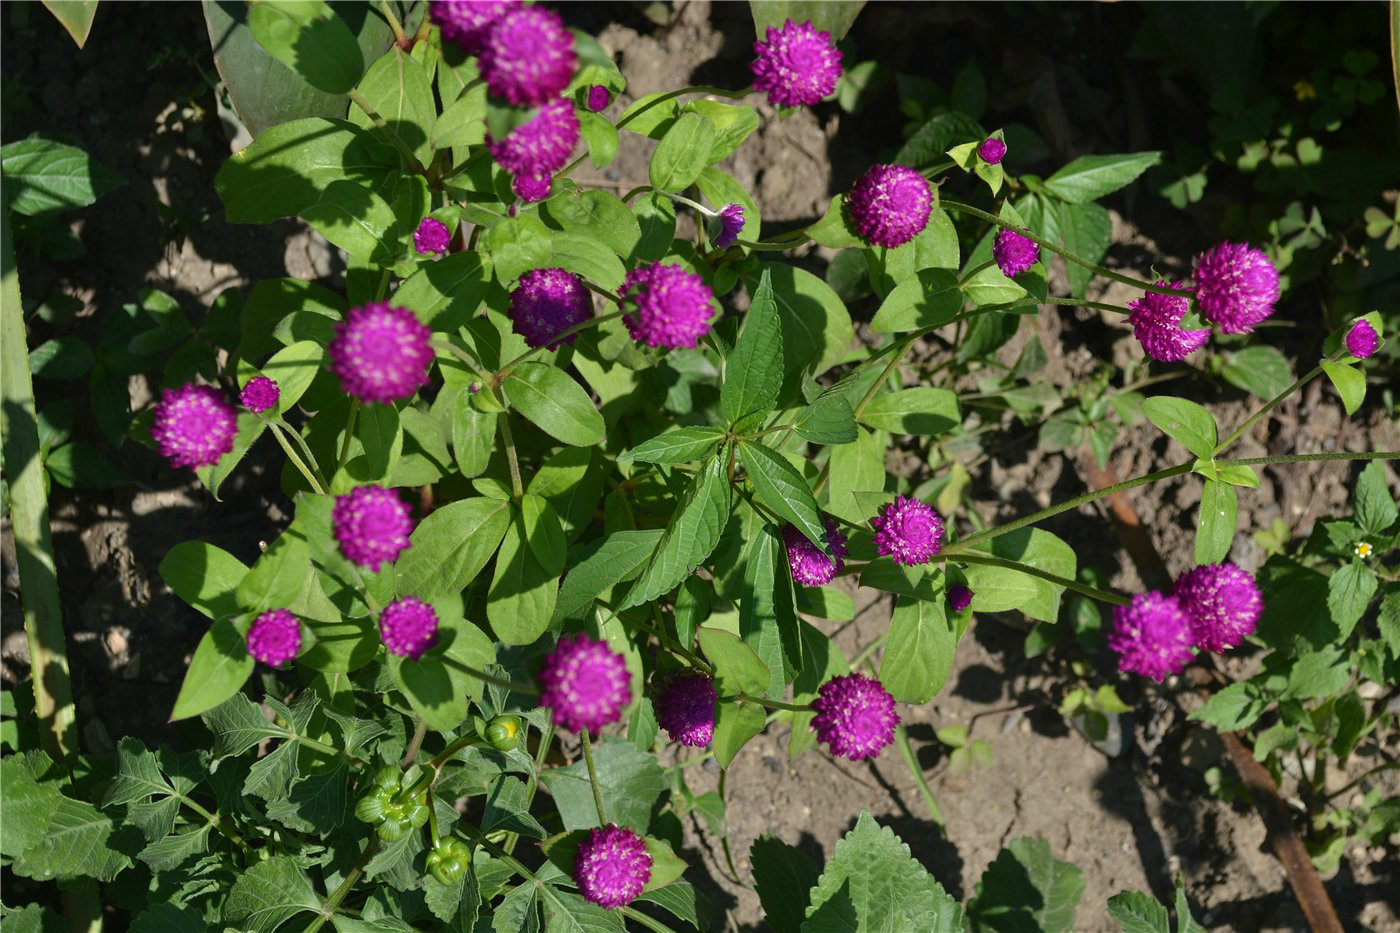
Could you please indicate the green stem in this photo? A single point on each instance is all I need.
(869, 649)
(1313, 458)
(317, 486)
(214, 820)
(973, 272)
(776, 704)
(325, 749)
(681, 199)
(1082, 303)
(901, 739)
(516, 487)
(1101, 595)
(447, 346)
(305, 449)
(656, 926)
(1268, 407)
(505, 370)
(349, 434)
(939, 167)
(528, 689)
(593, 777)
(340, 893)
(635, 111)
(394, 23)
(532, 785)
(420, 732)
(383, 288)
(383, 126)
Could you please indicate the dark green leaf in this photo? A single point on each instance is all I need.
(447, 293)
(1375, 506)
(928, 299)
(1349, 592)
(691, 535)
(754, 370)
(921, 410)
(43, 176)
(619, 557)
(780, 488)
(828, 420)
(630, 781)
(768, 609)
(399, 89)
(520, 603)
(1260, 370)
(679, 446)
(307, 37)
(782, 875)
(1027, 889)
(78, 841)
(736, 722)
(450, 547)
(682, 154)
(269, 894)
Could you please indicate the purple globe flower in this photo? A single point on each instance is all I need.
(797, 65)
(992, 151)
(467, 22)
(546, 303)
(890, 205)
(528, 57)
(855, 716)
(432, 236)
(1156, 321)
(274, 637)
(584, 683)
(612, 866)
(909, 531)
(685, 708)
(810, 565)
(535, 150)
(381, 353)
(1222, 603)
(408, 627)
(259, 394)
(1014, 253)
(1236, 287)
(1152, 636)
(371, 524)
(598, 98)
(532, 188)
(194, 426)
(1362, 340)
(731, 223)
(959, 597)
(669, 307)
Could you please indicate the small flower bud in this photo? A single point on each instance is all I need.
(505, 733)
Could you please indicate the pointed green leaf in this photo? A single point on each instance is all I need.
(1215, 523)
(549, 398)
(269, 894)
(450, 547)
(928, 299)
(690, 536)
(1090, 177)
(521, 600)
(753, 373)
(1188, 423)
(919, 650)
(779, 487)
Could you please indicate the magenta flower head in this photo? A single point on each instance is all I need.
(584, 683)
(371, 524)
(259, 394)
(408, 627)
(855, 716)
(685, 708)
(612, 866)
(536, 149)
(194, 426)
(992, 151)
(909, 531)
(1236, 287)
(467, 22)
(890, 205)
(598, 98)
(432, 236)
(810, 565)
(668, 306)
(1156, 321)
(1362, 340)
(1151, 635)
(731, 223)
(1221, 602)
(529, 56)
(546, 303)
(959, 597)
(1014, 253)
(275, 637)
(797, 65)
(381, 353)
(531, 188)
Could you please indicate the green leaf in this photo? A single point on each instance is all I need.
(294, 367)
(357, 219)
(619, 557)
(691, 535)
(736, 722)
(834, 229)
(175, 849)
(595, 215)
(46, 177)
(832, 16)
(929, 299)
(520, 603)
(828, 420)
(682, 154)
(1188, 423)
(61, 358)
(816, 327)
(779, 487)
(566, 912)
(1349, 592)
(307, 37)
(753, 373)
(1235, 707)
(549, 398)
(398, 87)
(167, 918)
(238, 725)
(919, 650)
(680, 446)
(463, 121)
(679, 898)
(1139, 913)
(1375, 506)
(445, 294)
(599, 135)
(1090, 177)
(1215, 523)
(768, 609)
(998, 589)
(857, 467)
(219, 668)
(276, 580)
(586, 256)
(1027, 888)
(738, 668)
(1260, 370)
(269, 894)
(450, 547)
(29, 804)
(436, 684)
(77, 842)
(1350, 383)
(316, 804)
(656, 219)
(1087, 231)
(76, 16)
(782, 875)
(83, 466)
(629, 779)
(922, 410)
(204, 576)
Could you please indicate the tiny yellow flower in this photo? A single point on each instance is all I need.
(1304, 90)
(1362, 550)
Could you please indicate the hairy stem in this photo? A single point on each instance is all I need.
(1268, 407)
(344, 457)
(1101, 595)
(593, 777)
(317, 485)
(516, 487)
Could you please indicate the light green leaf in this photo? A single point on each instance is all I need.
(1350, 383)
(1188, 423)
(922, 410)
(768, 609)
(1235, 707)
(680, 446)
(46, 177)
(828, 420)
(738, 668)
(1215, 523)
(1027, 888)
(736, 722)
(450, 547)
(1090, 177)
(219, 668)
(857, 467)
(629, 779)
(1139, 913)
(1349, 592)
(928, 299)
(269, 894)
(816, 328)
(919, 650)
(830, 16)
(204, 576)
(76, 16)
(1375, 506)
(779, 487)
(521, 600)
(1260, 370)
(447, 293)
(398, 88)
(307, 37)
(355, 218)
(682, 154)
(75, 843)
(553, 401)
(691, 535)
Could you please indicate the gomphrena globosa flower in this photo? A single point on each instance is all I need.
(381, 353)
(598, 98)
(1222, 604)
(1156, 322)
(1362, 340)
(1014, 253)
(731, 224)
(274, 637)
(528, 57)
(467, 22)
(667, 306)
(796, 65)
(194, 426)
(1151, 635)
(584, 683)
(685, 708)
(811, 566)
(992, 151)
(546, 303)
(536, 149)
(372, 525)
(408, 627)
(432, 236)
(908, 531)
(889, 205)
(612, 866)
(1236, 286)
(855, 716)
(259, 394)
(959, 597)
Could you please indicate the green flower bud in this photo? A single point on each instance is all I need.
(450, 861)
(505, 733)
(392, 829)
(387, 777)
(370, 809)
(416, 814)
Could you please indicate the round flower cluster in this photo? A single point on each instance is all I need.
(1014, 253)
(669, 307)
(468, 22)
(992, 151)
(584, 683)
(795, 65)
(274, 637)
(855, 716)
(612, 866)
(546, 303)
(408, 627)
(1362, 340)
(685, 708)
(731, 224)
(959, 597)
(1236, 287)
(1151, 635)
(539, 147)
(598, 98)
(194, 426)
(908, 531)
(381, 353)
(890, 205)
(1212, 607)
(809, 564)
(371, 524)
(528, 57)
(259, 394)
(431, 237)
(1156, 322)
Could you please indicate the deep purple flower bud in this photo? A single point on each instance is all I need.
(274, 637)
(855, 716)
(432, 236)
(194, 426)
(612, 866)
(890, 205)
(532, 188)
(731, 223)
(529, 56)
(685, 708)
(1152, 636)
(796, 65)
(1014, 253)
(992, 151)
(546, 303)
(668, 306)
(1222, 603)
(372, 525)
(1156, 321)
(467, 22)
(259, 394)
(959, 597)
(598, 98)
(1362, 340)
(585, 684)
(381, 353)
(811, 566)
(408, 627)
(535, 150)
(1236, 287)
(909, 531)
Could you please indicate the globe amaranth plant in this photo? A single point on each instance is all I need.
(564, 480)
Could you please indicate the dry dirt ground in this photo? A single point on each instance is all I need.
(1132, 820)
